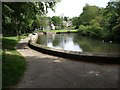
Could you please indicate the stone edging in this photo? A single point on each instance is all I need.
(82, 56)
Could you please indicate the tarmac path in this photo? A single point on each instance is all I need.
(46, 71)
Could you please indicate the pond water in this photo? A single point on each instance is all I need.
(75, 42)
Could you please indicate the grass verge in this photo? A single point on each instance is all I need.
(13, 64)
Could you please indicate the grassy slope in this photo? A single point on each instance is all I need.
(13, 63)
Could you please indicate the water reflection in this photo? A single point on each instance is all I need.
(76, 42)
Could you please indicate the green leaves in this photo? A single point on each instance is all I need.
(112, 19)
(76, 21)
(89, 13)
(57, 21)
(91, 30)
(18, 17)
(100, 22)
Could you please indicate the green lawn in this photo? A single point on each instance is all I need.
(13, 65)
(61, 30)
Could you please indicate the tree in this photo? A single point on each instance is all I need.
(76, 22)
(57, 21)
(89, 13)
(66, 18)
(40, 22)
(112, 20)
(19, 16)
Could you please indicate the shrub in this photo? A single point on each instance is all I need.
(84, 30)
(93, 30)
(96, 31)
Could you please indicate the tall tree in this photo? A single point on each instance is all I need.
(41, 22)
(57, 21)
(19, 16)
(76, 22)
(89, 13)
(112, 19)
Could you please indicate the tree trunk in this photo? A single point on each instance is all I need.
(19, 30)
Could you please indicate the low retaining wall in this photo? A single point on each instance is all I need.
(33, 37)
(82, 56)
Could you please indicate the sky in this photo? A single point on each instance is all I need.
(72, 8)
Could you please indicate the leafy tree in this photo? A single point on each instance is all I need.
(89, 13)
(20, 16)
(100, 22)
(57, 21)
(66, 18)
(76, 22)
(40, 22)
(112, 20)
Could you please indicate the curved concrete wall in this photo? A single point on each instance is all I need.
(84, 56)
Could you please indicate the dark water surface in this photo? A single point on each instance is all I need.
(75, 42)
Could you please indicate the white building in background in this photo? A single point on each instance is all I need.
(69, 23)
(52, 26)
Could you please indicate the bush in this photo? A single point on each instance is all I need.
(84, 30)
(95, 31)
(57, 27)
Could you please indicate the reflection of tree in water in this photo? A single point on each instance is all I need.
(93, 45)
(83, 42)
(56, 40)
(66, 37)
(49, 38)
(86, 43)
(42, 39)
(60, 40)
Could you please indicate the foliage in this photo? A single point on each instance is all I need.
(57, 21)
(76, 22)
(40, 22)
(66, 18)
(100, 22)
(18, 17)
(91, 21)
(93, 30)
(112, 19)
(89, 13)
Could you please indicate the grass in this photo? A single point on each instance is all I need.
(13, 65)
(61, 30)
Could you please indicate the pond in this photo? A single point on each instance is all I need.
(75, 42)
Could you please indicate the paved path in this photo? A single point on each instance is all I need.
(44, 71)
